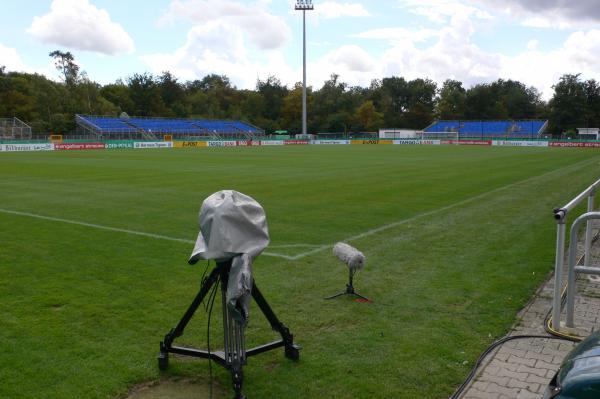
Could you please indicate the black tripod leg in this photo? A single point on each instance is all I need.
(237, 378)
(291, 351)
(178, 330)
(336, 295)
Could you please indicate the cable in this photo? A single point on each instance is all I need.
(208, 307)
(547, 327)
(490, 348)
(563, 298)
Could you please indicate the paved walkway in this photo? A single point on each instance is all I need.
(522, 368)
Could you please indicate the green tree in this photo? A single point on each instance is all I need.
(367, 117)
(118, 94)
(451, 102)
(273, 93)
(592, 94)
(65, 63)
(145, 94)
(568, 104)
(172, 94)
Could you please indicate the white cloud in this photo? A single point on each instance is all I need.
(557, 14)
(265, 30)
(77, 24)
(220, 48)
(438, 52)
(396, 35)
(11, 59)
(334, 9)
(441, 11)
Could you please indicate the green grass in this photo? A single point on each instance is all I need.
(82, 310)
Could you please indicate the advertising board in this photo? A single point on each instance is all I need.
(222, 143)
(189, 144)
(249, 143)
(467, 142)
(271, 142)
(407, 142)
(26, 147)
(574, 144)
(519, 143)
(118, 144)
(152, 144)
(295, 142)
(79, 146)
(330, 142)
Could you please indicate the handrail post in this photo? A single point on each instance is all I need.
(560, 255)
(588, 229)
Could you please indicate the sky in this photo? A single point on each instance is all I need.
(533, 41)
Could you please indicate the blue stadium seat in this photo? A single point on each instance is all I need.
(108, 125)
(489, 129)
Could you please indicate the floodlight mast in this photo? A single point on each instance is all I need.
(304, 5)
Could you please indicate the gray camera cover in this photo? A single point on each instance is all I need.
(233, 226)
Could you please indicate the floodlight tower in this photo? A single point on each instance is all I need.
(304, 5)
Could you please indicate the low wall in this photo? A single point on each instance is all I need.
(132, 144)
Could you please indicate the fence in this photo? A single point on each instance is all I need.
(560, 214)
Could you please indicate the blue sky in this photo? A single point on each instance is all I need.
(534, 41)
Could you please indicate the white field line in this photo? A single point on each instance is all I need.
(445, 208)
(317, 248)
(108, 228)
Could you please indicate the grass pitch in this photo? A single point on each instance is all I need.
(457, 240)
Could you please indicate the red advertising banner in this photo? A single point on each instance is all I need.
(574, 144)
(295, 142)
(79, 146)
(467, 142)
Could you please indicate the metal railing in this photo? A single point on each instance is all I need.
(560, 214)
(586, 268)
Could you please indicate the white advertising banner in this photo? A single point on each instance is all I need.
(511, 143)
(431, 142)
(222, 143)
(331, 142)
(153, 144)
(27, 147)
(271, 142)
(407, 142)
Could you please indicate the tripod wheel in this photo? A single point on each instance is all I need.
(292, 352)
(163, 360)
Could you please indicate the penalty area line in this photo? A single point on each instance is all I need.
(119, 230)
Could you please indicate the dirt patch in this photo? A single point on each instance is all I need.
(176, 388)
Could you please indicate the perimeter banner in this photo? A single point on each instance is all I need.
(118, 144)
(407, 142)
(189, 144)
(518, 143)
(575, 144)
(271, 142)
(79, 146)
(330, 142)
(295, 142)
(249, 143)
(371, 142)
(153, 144)
(467, 142)
(26, 147)
(222, 143)
(431, 142)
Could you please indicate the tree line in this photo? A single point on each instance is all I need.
(391, 102)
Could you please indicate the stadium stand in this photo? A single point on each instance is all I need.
(489, 129)
(14, 129)
(155, 128)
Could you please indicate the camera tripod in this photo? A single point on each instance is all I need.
(234, 354)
